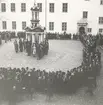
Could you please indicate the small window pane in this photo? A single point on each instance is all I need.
(14, 25)
(85, 14)
(100, 20)
(64, 26)
(4, 25)
(101, 2)
(23, 7)
(3, 7)
(51, 7)
(101, 30)
(65, 7)
(51, 26)
(89, 30)
(12, 7)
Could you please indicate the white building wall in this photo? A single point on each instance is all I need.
(74, 14)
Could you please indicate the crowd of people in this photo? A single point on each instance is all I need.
(16, 82)
(32, 49)
(63, 36)
(74, 36)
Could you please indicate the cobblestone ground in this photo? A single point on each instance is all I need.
(62, 55)
(69, 53)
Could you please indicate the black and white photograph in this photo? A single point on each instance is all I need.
(51, 52)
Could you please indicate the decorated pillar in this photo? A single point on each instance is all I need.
(33, 38)
(42, 36)
(39, 37)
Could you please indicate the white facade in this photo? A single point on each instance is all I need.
(72, 16)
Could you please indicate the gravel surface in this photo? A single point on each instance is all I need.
(63, 54)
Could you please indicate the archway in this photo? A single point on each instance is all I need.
(82, 30)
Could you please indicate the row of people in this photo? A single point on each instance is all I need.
(62, 36)
(16, 82)
(72, 36)
(92, 57)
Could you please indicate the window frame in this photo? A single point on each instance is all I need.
(13, 25)
(3, 7)
(13, 7)
(85, 14)
(51, 7)
(100, 20)
(23, 7)
(64, 7)
(51, 26)
(4, 25)
(100, 30)
(101, 2)
(64, 26)
(89, 30)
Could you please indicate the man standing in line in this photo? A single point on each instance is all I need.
(20, 45)
(16, 46)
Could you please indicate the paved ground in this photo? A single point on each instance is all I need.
(62, 55)
(71, 49)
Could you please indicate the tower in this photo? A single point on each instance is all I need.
(35, 16)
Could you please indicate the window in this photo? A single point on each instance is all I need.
(101, 2)
(85, 14)
(4, 25)
(12, 7)
(3, 7)
(23, 25)
(90, 30)
(23, 7)
(14, 25)
(100, 20)
(40, 6)
(51, 26)
(65, 7)
(64, 26)
(51, 7)
(100, 30)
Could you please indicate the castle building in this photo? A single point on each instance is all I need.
(71, 16)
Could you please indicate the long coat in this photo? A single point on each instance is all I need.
(16, 46)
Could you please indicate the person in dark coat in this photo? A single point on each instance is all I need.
(46, 47)
(16, 46)
(29, 48)
(20, 45)
(38, 51)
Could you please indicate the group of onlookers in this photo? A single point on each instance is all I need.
(63, 36)
(75, 36)
(16, 82)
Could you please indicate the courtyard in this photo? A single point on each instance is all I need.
(63, 54)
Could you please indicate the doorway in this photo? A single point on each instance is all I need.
(82, 30)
